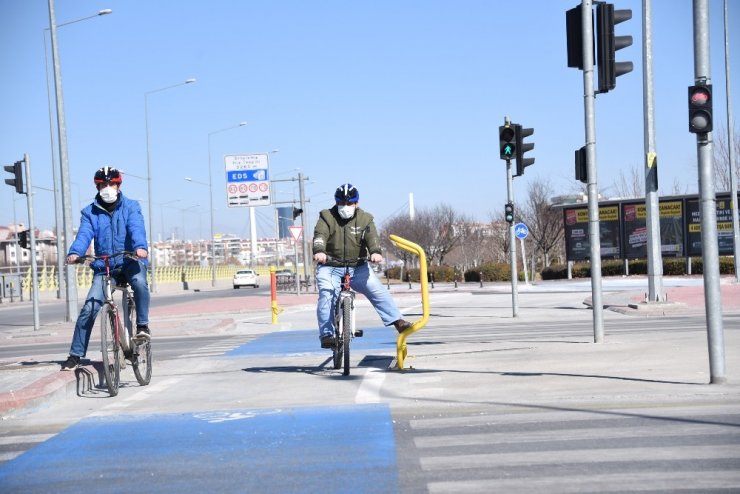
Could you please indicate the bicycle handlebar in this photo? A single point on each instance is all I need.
(124, 253)
(352, 261)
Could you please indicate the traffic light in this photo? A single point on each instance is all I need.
(509, 213)
(17, 180)
(581, 165)
(700, 109)
(23, 239)
(297, 212)
(607, 44)
(505, 144)
(521, 148)
(574, 31)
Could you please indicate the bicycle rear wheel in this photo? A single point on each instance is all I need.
(346, 331)
(110, 348)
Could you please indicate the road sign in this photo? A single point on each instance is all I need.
(295, 232)
(521, 231)
(247, 180)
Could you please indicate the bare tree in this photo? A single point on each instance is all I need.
(545, 222)
(721, 160)
(632, 185)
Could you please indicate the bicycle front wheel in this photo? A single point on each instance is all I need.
(110, 348)
(346, 331)
(143, 362)
(338, 348)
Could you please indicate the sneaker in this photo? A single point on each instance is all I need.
(71, 362)
(327, 341)
(401, 325)
(142, 333)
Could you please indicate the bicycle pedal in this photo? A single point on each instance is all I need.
(358, 333)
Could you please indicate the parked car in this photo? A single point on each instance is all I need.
(246, 277)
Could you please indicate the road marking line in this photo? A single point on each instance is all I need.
(369, 390)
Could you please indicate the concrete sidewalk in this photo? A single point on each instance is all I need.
(34, 380)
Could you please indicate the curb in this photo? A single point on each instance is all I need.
(49, 388)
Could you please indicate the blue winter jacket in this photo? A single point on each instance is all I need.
(122, 229)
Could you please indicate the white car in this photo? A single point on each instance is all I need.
(246, 277)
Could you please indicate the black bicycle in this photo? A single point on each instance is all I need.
(344, 317)
(118, 341)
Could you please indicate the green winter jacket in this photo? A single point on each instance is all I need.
(345, 239)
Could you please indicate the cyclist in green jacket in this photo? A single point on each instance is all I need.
(347, 232)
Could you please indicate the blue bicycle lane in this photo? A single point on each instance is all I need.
(301, 449)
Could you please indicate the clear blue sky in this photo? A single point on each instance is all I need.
(393, 96)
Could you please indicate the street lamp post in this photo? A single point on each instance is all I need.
(58, 217)
(210, 189)
(149, 176)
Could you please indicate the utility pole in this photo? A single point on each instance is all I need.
(731, 149)
(652, 204)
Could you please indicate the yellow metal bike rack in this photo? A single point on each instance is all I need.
(401, 349)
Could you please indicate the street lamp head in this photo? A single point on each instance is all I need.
(188, 81)
(105, 11)
(188, 179)
(242, 124)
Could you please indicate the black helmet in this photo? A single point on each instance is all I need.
(108, 174)
(347, 193)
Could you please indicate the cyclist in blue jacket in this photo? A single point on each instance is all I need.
(115, 224)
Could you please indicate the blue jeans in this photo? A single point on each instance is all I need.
(136, 276)
(364, 281)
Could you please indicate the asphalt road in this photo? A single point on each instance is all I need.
(488, 403)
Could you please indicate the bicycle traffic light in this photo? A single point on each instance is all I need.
(509, 212)
(23, 239)
(581, 165)
(17, 180)
(505, 144)
(521, 148)
(297, 212)
(700, 109)
(607, 44)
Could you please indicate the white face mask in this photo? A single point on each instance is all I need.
(108, 194)
(346, 212)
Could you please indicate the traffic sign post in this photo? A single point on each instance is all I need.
(247, 180)
(522, 231)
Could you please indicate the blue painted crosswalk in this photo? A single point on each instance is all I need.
(302, 341)
(331, 450)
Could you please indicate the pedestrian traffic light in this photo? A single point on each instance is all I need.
(17, 180)
(607, 44)
(23, 238)
(505, 144)
(700, 109)
(297, 212)
(521, 148)
(574, 32)
(509, 212)
(581, 165)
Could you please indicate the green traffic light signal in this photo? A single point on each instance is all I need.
(507, 148)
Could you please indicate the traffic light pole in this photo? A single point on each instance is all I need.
(593, 198)
(32, 240)
(512, 240)
(708, 202)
